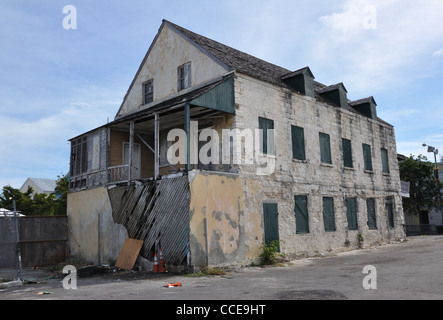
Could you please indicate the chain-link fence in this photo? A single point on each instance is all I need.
(10, 261)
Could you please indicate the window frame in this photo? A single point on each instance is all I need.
(148, 96)
(352, 217)
(385, 161)
(372, 216)
(367, 157)
(301, 218)
(184, 76)
(348, 161)
(329, 214)
(79, 156)
(390, 212)
(325, 148)
(298, 143)
(265, 124)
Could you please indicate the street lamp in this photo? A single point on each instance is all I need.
(433, 150)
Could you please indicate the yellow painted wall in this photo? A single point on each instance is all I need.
(83, 215)
(234, 228)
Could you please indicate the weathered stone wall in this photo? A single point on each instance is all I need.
(312, 178)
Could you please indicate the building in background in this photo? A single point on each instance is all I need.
(46, 186)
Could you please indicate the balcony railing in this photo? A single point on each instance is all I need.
(118, 174)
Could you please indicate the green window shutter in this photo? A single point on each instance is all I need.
(367, 157)
(298, 143)
(347, 153)
(301, 214)
(270, 217)
(328, 214)
(384, 160)
(390, 212)
(325, 148)
(267, 138)
(372, 219)
(351, 213)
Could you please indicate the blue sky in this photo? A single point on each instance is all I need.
(56, 84)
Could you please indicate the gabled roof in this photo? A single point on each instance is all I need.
(241, 62)
(333, 87)
(235, 59)
(44, 185)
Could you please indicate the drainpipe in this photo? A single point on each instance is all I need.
(206, 241)
(188, 136)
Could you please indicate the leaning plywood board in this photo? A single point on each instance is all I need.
(129, 253)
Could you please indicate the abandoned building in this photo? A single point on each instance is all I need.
(320, 176)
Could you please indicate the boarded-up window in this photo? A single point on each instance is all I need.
(372, 218)
(298, 143)
(266, 135)
(347, 153)
(79, 156)
(390, 212)
(325, 148)
(367, 157)
(270, 217)
(351, 213)
(328, 214)
(384, 160)
(301, 214)
(184, 76)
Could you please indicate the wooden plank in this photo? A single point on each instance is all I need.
(129, 253)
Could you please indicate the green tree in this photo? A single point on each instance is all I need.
(23, 201)
(425, 190)
(39, 204)
(61, 195)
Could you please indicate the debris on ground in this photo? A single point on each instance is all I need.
(173, 285)
(93, 270)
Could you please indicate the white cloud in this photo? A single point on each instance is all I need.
(438, 52)
(39, 147)
(376, 58)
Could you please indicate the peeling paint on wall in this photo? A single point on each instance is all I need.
(234, 231)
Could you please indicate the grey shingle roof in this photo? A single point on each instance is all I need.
(252, 66)
(236, 59)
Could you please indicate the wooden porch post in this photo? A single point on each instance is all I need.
(131, 147)
(157, 147)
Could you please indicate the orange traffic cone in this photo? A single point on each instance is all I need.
(155, 263)
(161, 265)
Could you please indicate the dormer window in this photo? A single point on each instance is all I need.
(148, 91)
(184, 76)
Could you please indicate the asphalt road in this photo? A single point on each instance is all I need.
(406, 271)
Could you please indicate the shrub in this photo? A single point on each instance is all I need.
(270, 252)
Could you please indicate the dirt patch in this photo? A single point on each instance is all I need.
(311, 295)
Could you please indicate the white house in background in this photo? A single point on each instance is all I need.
(9, 213)
(39, 186)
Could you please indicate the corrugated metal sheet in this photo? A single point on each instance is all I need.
(156, 212)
